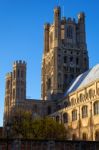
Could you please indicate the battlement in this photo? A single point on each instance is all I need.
(19, 62)
(46, 26)
(71, 20)
(57, 9)
(9, 75)
(63, 21)
(81, 15)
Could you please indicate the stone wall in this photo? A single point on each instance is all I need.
(47, 145)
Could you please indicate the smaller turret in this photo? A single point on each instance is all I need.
(81, 27)
(8, 97)
(46, 37)
(57, 26)
(81, 17)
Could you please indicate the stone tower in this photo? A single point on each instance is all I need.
(8, 97)
(15, 88)
(19, 82)
(65, 54)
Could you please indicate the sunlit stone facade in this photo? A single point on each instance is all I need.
(70, 92)
(65, 54)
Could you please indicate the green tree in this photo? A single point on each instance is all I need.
(39, 128)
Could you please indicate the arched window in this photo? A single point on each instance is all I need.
(22, 93)
(73, 101)
(74, 137)
(96, 108)
(22, 74)
(97, 91)
(49, 84)
(81, 97)
(65, 59)
(84, 111)
(91, 93)
(77, 61)
(74, 115)
(59, 80)
(18, 73)
(13, 93)
(14, 74)
(84, 136)
(70, 32)
(57, 118)
(65, 117)
(8, 84)
(97, 136)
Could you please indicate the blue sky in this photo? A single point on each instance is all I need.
(21, 36)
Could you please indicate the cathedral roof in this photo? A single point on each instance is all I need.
(84, 79)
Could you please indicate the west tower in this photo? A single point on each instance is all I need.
(15, 92)
(65, 54)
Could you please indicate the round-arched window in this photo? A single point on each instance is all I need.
(74, 115)
(65, 117)
(96, 108)
(84, 111)
(84, 136)
(97, 136)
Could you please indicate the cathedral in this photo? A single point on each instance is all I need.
(69, 89)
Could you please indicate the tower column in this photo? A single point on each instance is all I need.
(46, 38)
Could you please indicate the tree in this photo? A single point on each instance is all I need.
(40, 128)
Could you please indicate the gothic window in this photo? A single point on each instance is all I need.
(57, 118)
(70, 32)
(74, 137)
(84, 136)
(72, 69)
(18, 73)
(49, 84)
(84, 111)
(77, 61)
(81, 97)
(49, 110)
(65, 117)
(22, 93)
(14, 74)
(18, 93)
(22, 73)
(8, 84)
(59, 80)
(71, 59)
(65, 59)
(91, 93)
(96, 108)
(97, 91)
(65, 78)
(73, 100)
(97, 136)
(74, 115)
(13, 93)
